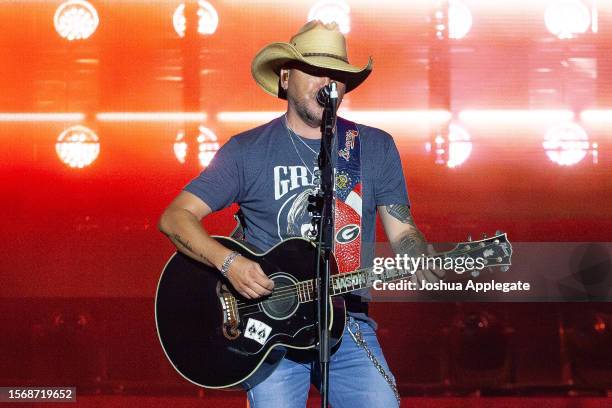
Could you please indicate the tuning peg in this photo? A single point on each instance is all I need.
(504, 268)
(470, 238)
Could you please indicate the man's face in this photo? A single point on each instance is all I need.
(302, 84)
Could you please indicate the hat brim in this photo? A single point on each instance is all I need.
(268, 62)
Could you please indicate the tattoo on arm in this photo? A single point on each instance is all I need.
(412, 241)
(177, 239)
(401, 213)
(183, 242)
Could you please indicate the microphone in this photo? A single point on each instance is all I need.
(328, 91)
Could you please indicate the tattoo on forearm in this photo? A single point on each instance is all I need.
(176, 238)
(183, 242)
(411, 242)
(401, 213)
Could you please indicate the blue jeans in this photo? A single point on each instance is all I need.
(354, 380)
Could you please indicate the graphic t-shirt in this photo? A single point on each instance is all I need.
(269, 172)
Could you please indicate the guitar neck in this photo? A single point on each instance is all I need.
(365, 278)
(492, 252)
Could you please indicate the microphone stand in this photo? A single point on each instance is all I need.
(324, 215)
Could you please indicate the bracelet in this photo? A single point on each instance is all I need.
(228, 261)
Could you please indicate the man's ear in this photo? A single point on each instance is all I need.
(284, 77)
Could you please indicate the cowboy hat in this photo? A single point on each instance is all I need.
(316, 44)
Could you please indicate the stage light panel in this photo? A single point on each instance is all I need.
(208, 19)
(514, 116)
(459, 146)
(41, 117)
(151, 116)
(566, 144)
(180, 147)
(77, 146)
(329, 11)
(207, 142)
(459, 19)
(208, 146)
(76, 20)
(567, 18)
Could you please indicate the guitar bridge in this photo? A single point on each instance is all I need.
(229, 309)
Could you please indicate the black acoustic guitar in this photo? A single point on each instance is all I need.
(216, 338)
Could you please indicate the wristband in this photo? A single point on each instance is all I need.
(228, 261)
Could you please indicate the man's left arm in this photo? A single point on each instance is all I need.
(405, 237)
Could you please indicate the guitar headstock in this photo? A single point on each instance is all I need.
(495, 251)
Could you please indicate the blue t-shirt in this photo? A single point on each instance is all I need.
(269, 171)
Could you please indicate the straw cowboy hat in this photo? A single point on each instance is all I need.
(316, 44)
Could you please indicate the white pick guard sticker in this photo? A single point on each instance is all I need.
(258, 331)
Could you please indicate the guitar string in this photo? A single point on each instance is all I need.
(290, 296)
(286, 295)
(291, 293)
(291, 290)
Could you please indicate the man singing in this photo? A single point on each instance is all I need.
(270, 171)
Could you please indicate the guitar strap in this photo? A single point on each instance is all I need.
(347, 200)
(238, 233)
(347, 197)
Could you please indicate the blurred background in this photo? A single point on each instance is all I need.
(502, 113)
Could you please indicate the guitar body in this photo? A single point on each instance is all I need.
(216, 338)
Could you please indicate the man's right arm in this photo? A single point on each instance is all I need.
(181, 222)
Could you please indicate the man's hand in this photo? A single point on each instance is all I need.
(431, 275)
(249, 279)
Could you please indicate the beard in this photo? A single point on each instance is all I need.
(310, 116)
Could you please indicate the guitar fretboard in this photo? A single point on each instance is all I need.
(495, 251)
(359, 279)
